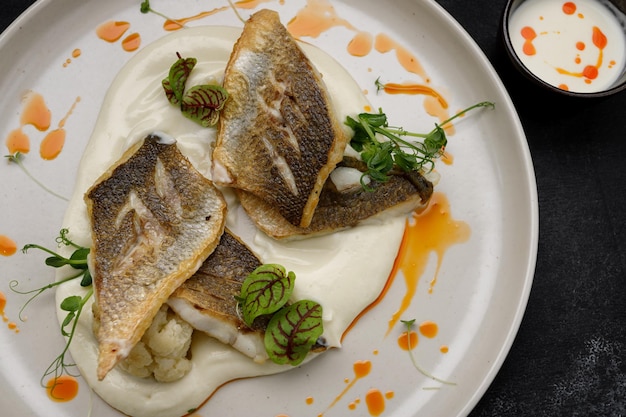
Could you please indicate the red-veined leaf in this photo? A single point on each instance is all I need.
(202, 104)
(292, 332)
(265, 291)
(174, 84)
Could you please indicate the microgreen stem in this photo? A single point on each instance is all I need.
(14, 283)
(409, 325)
(58, 366)
(146, 8)
(16, 158)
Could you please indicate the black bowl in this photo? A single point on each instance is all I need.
(616, 6)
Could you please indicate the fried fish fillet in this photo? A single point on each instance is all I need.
(279, 138)
(340, 209)
(208, 301)
(154, 219)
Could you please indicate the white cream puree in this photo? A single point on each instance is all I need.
(344, 271)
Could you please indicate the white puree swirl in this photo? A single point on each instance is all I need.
(344, 271)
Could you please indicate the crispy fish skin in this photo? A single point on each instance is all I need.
(208, 301)
(154, 219)
(401, 194)
(278, 138)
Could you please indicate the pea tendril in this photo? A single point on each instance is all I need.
(73, 305)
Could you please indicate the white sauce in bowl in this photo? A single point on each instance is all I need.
(579, 46)
(345, 271)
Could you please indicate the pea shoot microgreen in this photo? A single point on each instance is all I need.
(293, 329)
(408, 327)
(73, 305)
(394, 152)
(16, 158)
(201, 103)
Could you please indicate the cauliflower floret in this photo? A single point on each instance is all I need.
(162, 351)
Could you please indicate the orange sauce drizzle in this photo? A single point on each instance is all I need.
(36, 112)
(375, 401)
(132, 42)
(395, 88)
(409, 62)
(62, 389)
(361, 370)
(590, 72)
(361, 44)
(176, 24)
(250, 4)
(8, 246)
(408, 339)
(315, 18)
(433, 230)
(52, 145)
(112, 31)
(11, 325)
(18, 141)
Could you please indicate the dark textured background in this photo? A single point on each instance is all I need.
(568, 357)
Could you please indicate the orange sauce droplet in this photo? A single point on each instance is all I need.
(444, 349)
(8, 246)
(429, 329)
(176, 24)
(112, 31)
(433, 230)
(132, 42)
(361, 44)
(394, 88)
(389, 395)
(52, 145)
(529, 35)
(406, 59)
(408, 340)
(599, 38)
(18, 141)
(309, 400)
(564, 87)
(36, 112)
(569, 8)
(447, 158)
(315, 18)
(590, 72)
(3, 303)
(76, 53)
(63, 389)
(580, 46)
(375, 402)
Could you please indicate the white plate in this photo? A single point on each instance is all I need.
(483, 285)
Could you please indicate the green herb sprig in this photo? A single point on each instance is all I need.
(292, 329)
(408, 326)
(382, 156)
(201, 103)
(16, 158)
(73, 305)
